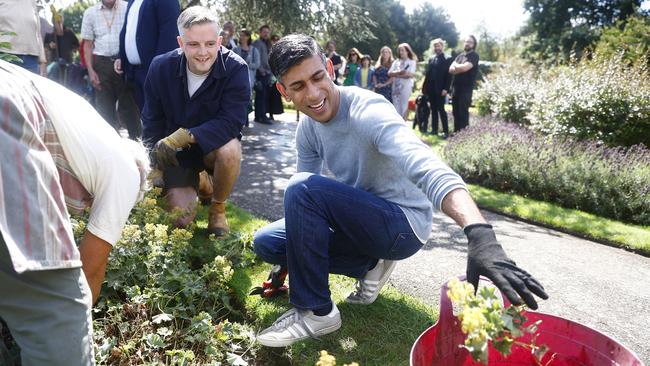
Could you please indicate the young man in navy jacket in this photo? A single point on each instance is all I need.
(196, 100)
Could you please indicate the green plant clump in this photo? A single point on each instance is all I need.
(585, 175)
(605, 99)
(167, 297)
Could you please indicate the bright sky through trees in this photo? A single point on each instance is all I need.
(502, 18)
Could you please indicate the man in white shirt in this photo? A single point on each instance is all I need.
(22, 26)
(58, 152)
(100, 30)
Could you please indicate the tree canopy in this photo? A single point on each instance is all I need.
(365, 24)
(556, 30)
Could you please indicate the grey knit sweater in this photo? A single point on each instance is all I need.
(367, 145)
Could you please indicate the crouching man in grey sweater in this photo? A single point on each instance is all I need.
(377, 210)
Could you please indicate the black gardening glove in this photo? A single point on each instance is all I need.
(485, 257)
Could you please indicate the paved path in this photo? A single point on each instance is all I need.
(604, 288)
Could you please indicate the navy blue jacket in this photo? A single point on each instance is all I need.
(156, 33)
(437, 77)
(215, 113)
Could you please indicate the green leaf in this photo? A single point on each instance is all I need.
(503, 345)
(164, 332)
(155, 341)
(236, 360)
(160, 318)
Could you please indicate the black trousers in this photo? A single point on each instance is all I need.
(437, 104)
(261, 96)
(461, 101)
(116, 95)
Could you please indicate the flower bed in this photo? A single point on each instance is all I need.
(167, 297)
(604, 100)
(608, 182)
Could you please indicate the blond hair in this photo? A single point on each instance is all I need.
(388, 62)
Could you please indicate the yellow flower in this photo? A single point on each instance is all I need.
(460, 292)
(473, 320)
(326, 359)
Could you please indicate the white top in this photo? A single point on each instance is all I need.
(102, 26)
(403, 85)
(130, 44)
(92, 147)
(21, 18)
(194, 81)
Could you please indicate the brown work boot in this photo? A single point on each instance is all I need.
(217, 222)
(205, 188)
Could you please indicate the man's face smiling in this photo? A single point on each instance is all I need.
(200, 44)
(437, 48)
(311, 90)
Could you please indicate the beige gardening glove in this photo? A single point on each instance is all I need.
(164, 152)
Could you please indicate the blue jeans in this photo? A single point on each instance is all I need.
(331, 227)
(29, 62)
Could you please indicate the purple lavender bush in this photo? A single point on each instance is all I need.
(585, 175)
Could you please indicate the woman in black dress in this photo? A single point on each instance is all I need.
(275, 99)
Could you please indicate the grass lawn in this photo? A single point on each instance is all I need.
(634, 237)
(378, 334)
(576, 222)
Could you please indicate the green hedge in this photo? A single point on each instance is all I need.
(608, 182)
(603, 100)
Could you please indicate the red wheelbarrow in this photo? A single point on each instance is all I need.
(573, 343)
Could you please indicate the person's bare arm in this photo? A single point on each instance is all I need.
(94, 257)
(458, 205)
(88, 51)
(457, 68)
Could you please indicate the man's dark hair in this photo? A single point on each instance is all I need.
(475, 42)
(264, 26)
(292, 50)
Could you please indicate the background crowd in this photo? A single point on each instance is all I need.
(107, 62)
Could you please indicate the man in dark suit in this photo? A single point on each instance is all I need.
(149, 30)
(435, 86)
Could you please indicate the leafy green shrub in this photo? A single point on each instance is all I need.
(629, 38)
(7, 46)
(585, 175)
(511, 100)
(167, 298)
(604, 100)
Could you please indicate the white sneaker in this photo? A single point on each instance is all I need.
(296, 325)
(368, 287)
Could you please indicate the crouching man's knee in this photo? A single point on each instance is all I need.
(269, 243)
(228, 155)
(182, 199)
(298, 184)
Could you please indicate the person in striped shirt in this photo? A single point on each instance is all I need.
(59, 156)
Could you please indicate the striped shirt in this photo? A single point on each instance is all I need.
(103, 25)
(33, 219)
(57, 151)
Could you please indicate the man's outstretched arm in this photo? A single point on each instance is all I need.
(485, 256)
